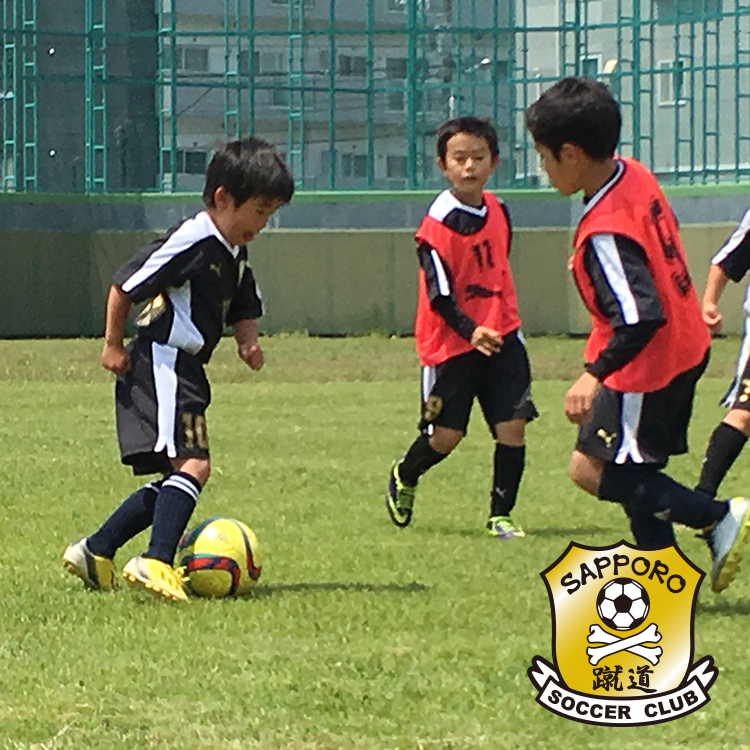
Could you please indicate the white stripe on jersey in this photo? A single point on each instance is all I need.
(181, 483)
(734, 241)
(164, 360)
(184, 333)
(185, 236)
(447, 202)
(629, 421)
(605, 247)
(441, 276)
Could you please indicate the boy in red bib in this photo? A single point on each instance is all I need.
(648, 344)
(467, 328)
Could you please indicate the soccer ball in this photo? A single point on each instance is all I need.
(221, 557)
(622, 604)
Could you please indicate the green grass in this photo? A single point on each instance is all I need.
(359, 635)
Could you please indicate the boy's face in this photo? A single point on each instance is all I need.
(468, 165)
(239, 224)
(564, 172)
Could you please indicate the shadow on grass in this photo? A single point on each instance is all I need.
(724, 607)
(570, 533)
(530, 532)
(304, 588)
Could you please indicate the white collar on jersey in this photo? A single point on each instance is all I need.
(211, 228)
(447, 202)
(605, 188)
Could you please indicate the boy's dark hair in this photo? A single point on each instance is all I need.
(247, 169)
(580, 111)
(479, 126)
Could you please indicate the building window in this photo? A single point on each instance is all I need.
(395, 70)
(590, 66)
(186, 161)
(395, 166)
(279, 97)
(354, 165)
(308, 3)
(192, 59)
(671, 77)
(270, 62)
(352, 65)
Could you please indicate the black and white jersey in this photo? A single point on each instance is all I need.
(625, 295)
(195, 283)
(734, 256)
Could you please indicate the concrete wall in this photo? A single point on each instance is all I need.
(58, 256)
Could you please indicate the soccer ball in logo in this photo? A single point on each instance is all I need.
(221, 557)
(622, 604)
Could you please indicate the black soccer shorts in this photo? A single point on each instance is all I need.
(643, 428)
(501, 383)
(160, 405)
(738, 395)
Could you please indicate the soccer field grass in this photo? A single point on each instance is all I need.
(359, 634)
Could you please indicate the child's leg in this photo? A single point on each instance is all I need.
(133, 516)
(427, 451)
(725, 444)
(651, 499)
(174, 505)
(508, 466)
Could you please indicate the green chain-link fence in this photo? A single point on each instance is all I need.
(105, 96)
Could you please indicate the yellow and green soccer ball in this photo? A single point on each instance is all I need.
(221, 557)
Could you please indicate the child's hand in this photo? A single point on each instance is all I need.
(712, 317)
(116, 359)
(580, 397)
(251, 355)
(486, 340)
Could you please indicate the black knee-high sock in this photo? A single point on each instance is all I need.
(724, 446)
(651, 532)
(645, 491)
(174, 506)
(509, 464)
(420, 457)
(133, 516)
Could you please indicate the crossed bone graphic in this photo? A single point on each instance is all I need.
(614, 645)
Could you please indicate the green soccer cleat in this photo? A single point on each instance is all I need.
(501, 527)
(399, 500)
(726, 541)
(155, 577)
(98, 573)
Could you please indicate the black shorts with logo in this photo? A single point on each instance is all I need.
(644, 428)
(501, 383)
(160, 405)
(738, 395)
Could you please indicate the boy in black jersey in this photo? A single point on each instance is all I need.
(731, 262)
(195, 281)
(467, 328)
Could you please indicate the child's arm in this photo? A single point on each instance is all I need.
(115, 357)
(715, 284)
(248, 349)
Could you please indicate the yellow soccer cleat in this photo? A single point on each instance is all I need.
(727, 540)
(156, 577)
(399, 500)
(98, 573)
